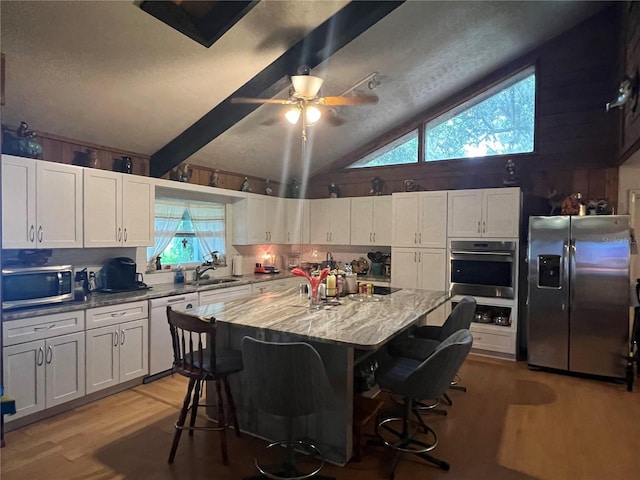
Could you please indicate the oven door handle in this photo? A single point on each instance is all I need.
(472, 252)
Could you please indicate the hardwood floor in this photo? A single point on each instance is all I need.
(512, 423)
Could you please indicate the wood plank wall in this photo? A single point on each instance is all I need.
(576, 143)
(630, 140)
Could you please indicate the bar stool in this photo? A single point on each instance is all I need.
(288, 380)
(189, 335)
(414, 380)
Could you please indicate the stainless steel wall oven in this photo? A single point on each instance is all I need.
(485, 269)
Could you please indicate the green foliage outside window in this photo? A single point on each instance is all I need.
(502, 124)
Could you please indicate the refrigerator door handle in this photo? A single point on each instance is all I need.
(566, 255)
(572, 270)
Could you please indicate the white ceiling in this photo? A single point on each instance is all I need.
(109, 73)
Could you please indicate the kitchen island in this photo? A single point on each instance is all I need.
(344, 334)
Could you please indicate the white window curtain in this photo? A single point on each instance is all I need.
(168, 216)
(208, 224)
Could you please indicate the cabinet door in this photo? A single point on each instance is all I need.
(102, 208)
(275, 219)
(320, 222)
(58, 205)
(257, 226)
(65, 374)
(362, 221)
(103, 359)
(405, 208)
(433, 220)
(297, 225)
(340, 221)
(19, 202)
(404, 270)
(138, 211)
(381, 215)
(501, 212)
(464, 214)
(432, 265)
(134, 349)
(23, 369)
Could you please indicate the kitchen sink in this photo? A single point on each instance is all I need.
(212, 281)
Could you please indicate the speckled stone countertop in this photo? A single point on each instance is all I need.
(97, 299)
(366, 324)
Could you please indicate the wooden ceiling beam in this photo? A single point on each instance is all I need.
(343, 27)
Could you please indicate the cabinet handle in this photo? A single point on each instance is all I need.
(125, 234)
(420, 257)
(115, 336)
(415, 237)
(48, 327)
(478, 226)
(415, 257)
(420, 237)
(288, 236)
(118, 314)
(189, 306)
(40, 233)
(119, 233)
(32, 233)
(484, 227)
(49, 354)
(331, 236)
(374, 236)
(121, 337)
(40, 356)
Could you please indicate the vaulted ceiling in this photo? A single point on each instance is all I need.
(110, 73)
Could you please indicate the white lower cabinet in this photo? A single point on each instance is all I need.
(47, 372)
(225, 294)
(422, 268)
(117, 351)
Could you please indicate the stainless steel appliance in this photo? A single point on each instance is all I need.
(160, 348)
(578, 293)
(485, 269)
(33, 286)
(119, 275)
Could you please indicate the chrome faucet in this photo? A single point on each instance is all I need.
(329, 260)
(200, 269)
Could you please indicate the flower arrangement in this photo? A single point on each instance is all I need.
(314, 283)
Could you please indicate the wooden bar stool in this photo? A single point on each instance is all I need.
(189, 335)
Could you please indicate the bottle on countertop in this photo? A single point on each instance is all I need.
(179, 278)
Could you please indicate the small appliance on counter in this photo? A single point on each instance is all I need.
(260, 268)
(119, 275)
(36, 286)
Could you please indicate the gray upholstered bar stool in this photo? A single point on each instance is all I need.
(189, 335)
(287, 380)
(423, 341)
(415, 380)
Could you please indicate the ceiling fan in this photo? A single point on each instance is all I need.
(306, 104)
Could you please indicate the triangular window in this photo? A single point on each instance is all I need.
(400, 151)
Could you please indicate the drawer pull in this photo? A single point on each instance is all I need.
(48, 327)
(179, 299)
(118, 314)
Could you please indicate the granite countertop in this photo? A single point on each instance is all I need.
(97, 299)
(365, 324)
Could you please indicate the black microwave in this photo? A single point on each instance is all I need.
(33, 286)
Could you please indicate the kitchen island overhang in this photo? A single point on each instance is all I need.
(343, 335)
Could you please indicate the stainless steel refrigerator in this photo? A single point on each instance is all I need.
(578, 293)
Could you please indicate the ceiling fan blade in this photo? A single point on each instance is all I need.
(277, 101)
(349, 100)
(335, 120)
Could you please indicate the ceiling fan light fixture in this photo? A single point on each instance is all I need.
(306, 86)
(292, 115)
(312, 114)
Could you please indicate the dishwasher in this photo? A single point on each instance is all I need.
(160, 348)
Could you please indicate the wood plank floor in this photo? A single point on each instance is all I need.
(512, 423)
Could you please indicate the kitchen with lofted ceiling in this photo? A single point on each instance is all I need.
(260, 123)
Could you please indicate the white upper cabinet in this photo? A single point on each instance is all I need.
(259, 220)
(419, 219)
(297, 222)
(42, 204)
(422, 268)
(118, 209)
(371, 220)
(330, 222)
(492, 212)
